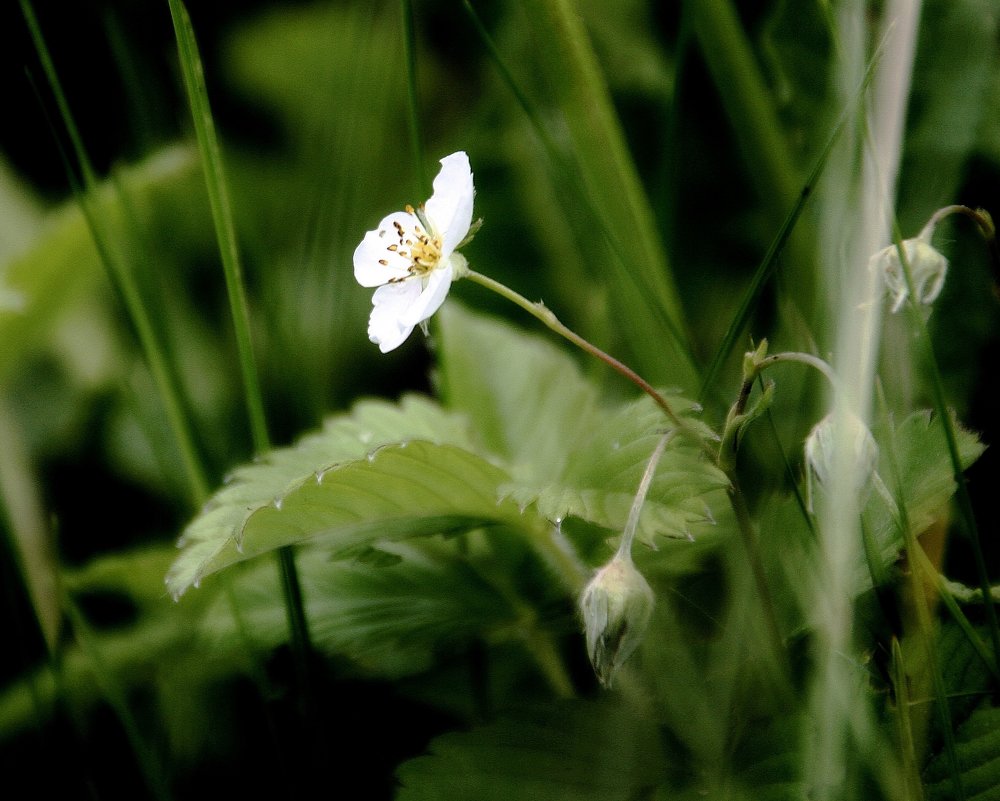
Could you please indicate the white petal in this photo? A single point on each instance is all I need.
(387, 327)
(374, 249)
(432, 296)
(929, 268)
(450, 208)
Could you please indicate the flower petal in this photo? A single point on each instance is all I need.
(374, 249)
(387, 326)
(432, 296)
(929, 268)
(450, 208)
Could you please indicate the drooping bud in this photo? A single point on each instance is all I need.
(819, 451)
(928, 268)
(616, 608)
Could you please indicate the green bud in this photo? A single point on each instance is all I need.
(616, 607)
(752, 360)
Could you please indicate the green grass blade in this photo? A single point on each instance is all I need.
(747, 101)
(218, 196)
(774, 251)
(608, 169)
(904, 724)
(600, 177)
(218, 193)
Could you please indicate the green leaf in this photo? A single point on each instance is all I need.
(978, 745)
(344, 439)
(297, 494)
(606, 464)
(572, 751)
(569, 454)
(526, 398)
(967, 678)
(387, 619)
(925, 480)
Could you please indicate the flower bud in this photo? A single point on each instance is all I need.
(819, 450)
(616, 607)
(928, 268)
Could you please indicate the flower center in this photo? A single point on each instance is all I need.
(422, 249)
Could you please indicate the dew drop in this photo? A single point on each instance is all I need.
(615, 445)
(278, 503)
(365, 437)
(196, 583)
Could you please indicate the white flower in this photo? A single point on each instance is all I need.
(411, 256)
(928, 268)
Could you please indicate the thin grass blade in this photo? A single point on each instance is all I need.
(767, 266)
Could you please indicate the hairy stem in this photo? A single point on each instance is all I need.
(541, 312)
(632, 524)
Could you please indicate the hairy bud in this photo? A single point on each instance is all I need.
(928, 268)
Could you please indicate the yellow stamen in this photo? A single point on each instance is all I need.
(424, 250)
